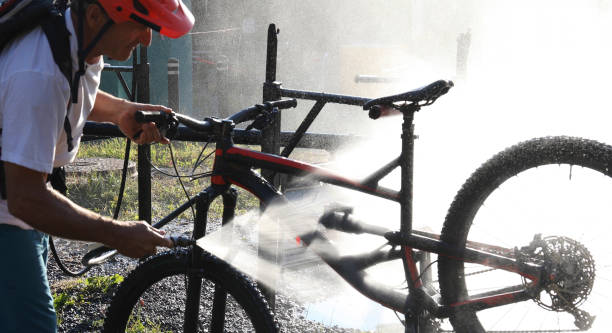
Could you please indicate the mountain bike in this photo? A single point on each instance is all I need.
(496, 272)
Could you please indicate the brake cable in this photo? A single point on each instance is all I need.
(126, 160)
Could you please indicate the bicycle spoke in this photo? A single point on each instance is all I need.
(169, 318)
(512, 224)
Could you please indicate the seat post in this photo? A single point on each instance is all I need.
(406, 163)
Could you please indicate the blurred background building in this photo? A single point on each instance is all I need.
(323, 46)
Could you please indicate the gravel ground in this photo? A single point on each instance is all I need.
(88, 312)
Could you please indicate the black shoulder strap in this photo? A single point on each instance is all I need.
(53, 24)
(59, 40)
(18, 17)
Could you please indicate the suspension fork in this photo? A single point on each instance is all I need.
(195, 271)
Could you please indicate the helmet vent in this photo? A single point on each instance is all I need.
(145, 22)
(139, 7)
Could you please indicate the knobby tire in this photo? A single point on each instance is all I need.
(132, 296)
(483, 182)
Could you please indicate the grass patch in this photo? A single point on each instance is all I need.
(99, 191)
(76, 292)
(101, 284)
(185, 153)
(137, 324)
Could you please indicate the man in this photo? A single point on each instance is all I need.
(36, 104)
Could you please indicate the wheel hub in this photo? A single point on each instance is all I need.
(570, 278)
(570, 272)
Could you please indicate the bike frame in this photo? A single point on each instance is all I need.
(234, 166)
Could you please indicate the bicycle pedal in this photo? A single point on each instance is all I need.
(338, 208)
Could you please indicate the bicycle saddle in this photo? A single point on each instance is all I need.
(425, 95)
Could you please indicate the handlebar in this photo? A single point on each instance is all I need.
(169, 121)
(252, 112)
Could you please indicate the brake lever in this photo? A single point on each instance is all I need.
(169, 131)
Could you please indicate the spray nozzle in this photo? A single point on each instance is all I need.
(337, 217)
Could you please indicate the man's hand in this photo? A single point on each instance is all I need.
(138, 239)
(108, 108)
(140, 133)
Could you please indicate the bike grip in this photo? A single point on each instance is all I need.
(375, 112)
(149, 116)
(283, 104)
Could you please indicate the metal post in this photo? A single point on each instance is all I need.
(270, 136)
(141, 75)
(463, 50)
(173, 84)
(270, 140)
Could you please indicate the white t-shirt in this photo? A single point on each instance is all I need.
(33, 98)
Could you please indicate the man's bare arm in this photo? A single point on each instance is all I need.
(47, 210)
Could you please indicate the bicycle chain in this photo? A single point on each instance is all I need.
(473, 273)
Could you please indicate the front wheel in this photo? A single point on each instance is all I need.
(152, 298)
(556, 187)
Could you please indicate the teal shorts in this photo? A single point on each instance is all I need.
(26, 304)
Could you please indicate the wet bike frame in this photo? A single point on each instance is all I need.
(234, 165)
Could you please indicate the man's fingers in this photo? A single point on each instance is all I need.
(162, 239)
(148, 134)
(166, 242)
(151, 107)
(158, 231)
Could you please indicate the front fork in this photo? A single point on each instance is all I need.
(195, 271)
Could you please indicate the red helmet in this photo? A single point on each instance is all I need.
(169, 17)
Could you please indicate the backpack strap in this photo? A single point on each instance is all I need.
(54, 27)
(17, 17)
(59, 41)
(2, 179)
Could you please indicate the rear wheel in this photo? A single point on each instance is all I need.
(558, 187)
(162, 280)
